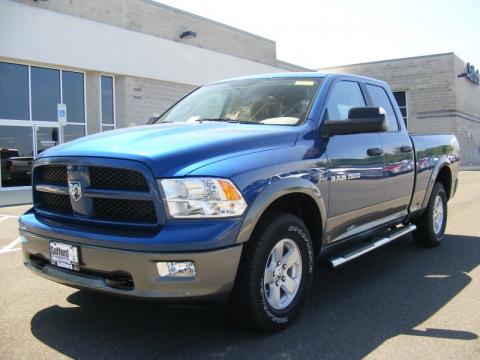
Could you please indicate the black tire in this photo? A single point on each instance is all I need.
(425, 235)
(248, 303)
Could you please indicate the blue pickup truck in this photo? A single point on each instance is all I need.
(237, 193)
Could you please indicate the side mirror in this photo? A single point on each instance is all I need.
(360, 120)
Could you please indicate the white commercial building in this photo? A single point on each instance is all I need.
(73, 68)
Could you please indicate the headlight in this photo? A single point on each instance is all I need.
(202, 197)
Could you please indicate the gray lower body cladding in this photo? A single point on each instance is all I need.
(134, 273)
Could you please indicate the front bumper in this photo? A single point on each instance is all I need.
(134, 273)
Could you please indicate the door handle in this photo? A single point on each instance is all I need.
(374, 152)
(406, 149)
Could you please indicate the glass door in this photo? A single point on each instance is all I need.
(16, 155)
(46, 137)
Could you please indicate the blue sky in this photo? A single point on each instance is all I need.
(323, 33)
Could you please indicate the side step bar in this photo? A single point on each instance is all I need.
(342, 259)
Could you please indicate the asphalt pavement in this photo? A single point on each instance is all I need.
(399, 302)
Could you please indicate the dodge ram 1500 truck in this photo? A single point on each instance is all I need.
(236, 191)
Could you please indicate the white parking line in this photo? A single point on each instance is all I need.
(11, 247)
(5, 217)
(9, 251)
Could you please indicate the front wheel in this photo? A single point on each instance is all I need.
(275, 274)
(431, 225)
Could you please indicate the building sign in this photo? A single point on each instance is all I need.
(471, 74)
(62, 114)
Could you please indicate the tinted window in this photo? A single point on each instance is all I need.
(72, 83)
(380, 98)
(107, 99)
(344, 96)
(73, 132)
(14, 91)
(16, 147)
(401, 97)
(45, 93)
(6, 153)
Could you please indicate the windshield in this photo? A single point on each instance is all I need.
(257, 101)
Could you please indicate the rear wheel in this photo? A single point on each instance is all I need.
(431, 225)
(275, 274)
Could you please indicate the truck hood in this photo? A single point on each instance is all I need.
(177, 149)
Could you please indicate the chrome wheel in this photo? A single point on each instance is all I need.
(283, 273)
(438, 215)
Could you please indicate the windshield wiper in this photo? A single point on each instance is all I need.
(226, 119)
(219, 119)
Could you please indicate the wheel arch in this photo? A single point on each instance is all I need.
(444, 176)
(441, 173)
(296, 196)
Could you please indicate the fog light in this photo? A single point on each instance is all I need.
(176, 268)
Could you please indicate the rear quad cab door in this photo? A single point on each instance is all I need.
(355, 178)
(399, 165)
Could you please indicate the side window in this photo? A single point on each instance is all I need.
(401, 97)
(344, 96)
(380, 98)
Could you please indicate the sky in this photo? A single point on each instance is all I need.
(322, 33)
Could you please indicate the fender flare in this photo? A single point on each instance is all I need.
(439, 165)
(273, 192)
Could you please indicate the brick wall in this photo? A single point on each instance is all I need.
(468, 109)
(138, 98)
(92, 89)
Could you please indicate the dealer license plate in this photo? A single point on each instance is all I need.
(64, 255)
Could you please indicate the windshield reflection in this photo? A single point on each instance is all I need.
(255, 101)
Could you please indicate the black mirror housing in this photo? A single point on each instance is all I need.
(360, 120)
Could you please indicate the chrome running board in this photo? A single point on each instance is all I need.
(342, 259)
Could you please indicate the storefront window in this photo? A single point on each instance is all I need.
(25, 88)
(108, 117)
(47, 137)
(73, 132)
(16, 152)
(14, 92)
(45, 93)
(73, 96)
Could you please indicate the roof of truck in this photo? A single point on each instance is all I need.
(292, 75)
(296, 75)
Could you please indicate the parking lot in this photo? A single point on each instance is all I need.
(399, 302)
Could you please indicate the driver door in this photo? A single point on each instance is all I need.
(355, 163)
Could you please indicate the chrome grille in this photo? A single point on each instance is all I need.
(108, 194)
